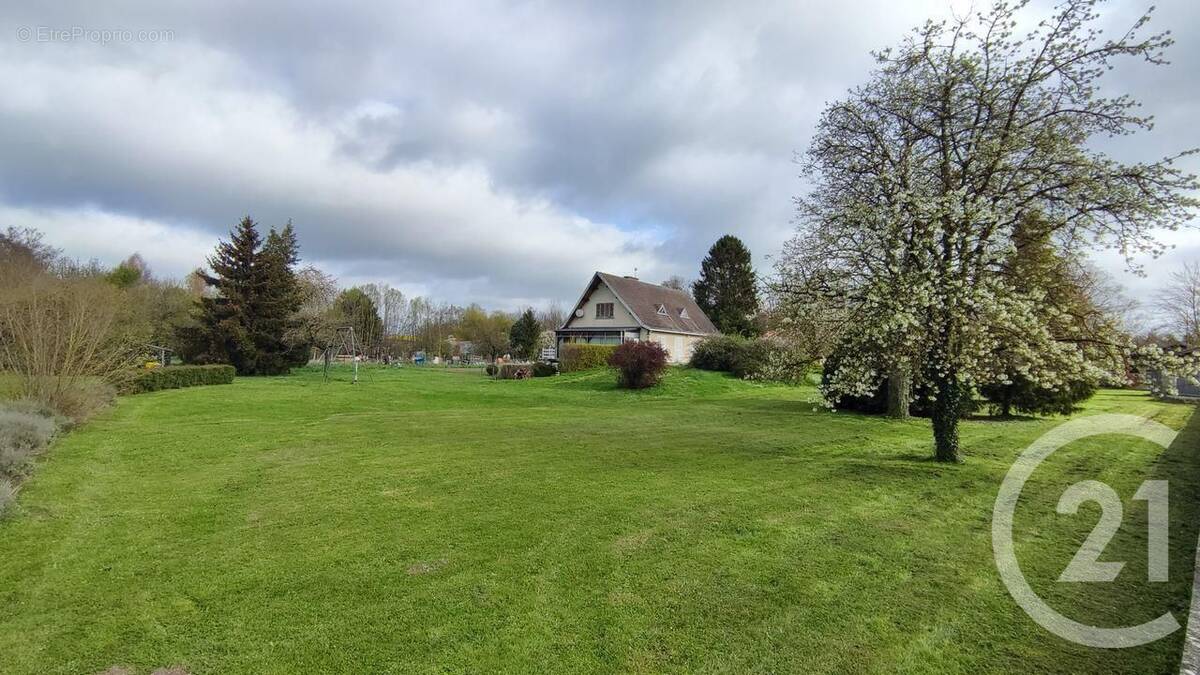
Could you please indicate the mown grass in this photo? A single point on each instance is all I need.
(432, 520)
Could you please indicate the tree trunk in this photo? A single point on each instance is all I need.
(899, 386)
(945, 419)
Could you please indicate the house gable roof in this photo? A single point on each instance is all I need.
(642, 300)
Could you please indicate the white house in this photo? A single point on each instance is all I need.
(615, 309)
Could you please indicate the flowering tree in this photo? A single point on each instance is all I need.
(921, 176)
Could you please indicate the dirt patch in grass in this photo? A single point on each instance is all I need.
(427, 566)
(123, 670)
(632, 542)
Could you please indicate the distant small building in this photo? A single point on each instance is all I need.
(615, 309)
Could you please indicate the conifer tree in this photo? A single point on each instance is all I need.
(277, 303)
(247, 317)
(727, 290)
(524, 335)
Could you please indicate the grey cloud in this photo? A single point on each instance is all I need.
(471, 149)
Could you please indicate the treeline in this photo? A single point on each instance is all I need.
(70, 331)
(253, 305)
(390, 325)
(260, 311)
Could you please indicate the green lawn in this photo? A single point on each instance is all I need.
(432, 520)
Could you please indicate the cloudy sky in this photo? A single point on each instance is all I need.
(480, 151)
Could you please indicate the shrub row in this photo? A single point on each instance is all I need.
(573, 358)
(734, 354)
(26, 429)
(521, 371)
(759, 359)
(176, 377)
(515, 371)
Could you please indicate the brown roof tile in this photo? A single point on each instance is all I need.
(643, 300)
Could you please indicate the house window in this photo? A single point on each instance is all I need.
(662, 310)
(683, 313)
(604, 310)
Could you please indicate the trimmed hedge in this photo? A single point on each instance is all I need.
(177, 377)
(576, 357)
(515, 371)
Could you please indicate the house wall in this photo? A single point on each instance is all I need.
(679, 347)
(621, 316)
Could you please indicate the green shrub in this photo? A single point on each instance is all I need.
(785, 362)
(639, 364)
(544, 370)
(576, 357)
(717, 352)
(176, 377)
(751, 359)
(760, 359)
(1023, 396)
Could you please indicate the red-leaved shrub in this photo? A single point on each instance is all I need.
(639, 364)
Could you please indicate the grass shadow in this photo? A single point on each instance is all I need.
(1179, 464)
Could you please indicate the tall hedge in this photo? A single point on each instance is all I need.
(575, 357)
(177, 377)
(742, 357)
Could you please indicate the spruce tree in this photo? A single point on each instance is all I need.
(223, 332)
(727, 290)
(277, 303)
(247, 318)
(524, 335)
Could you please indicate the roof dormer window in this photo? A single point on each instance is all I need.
(683, 313)
(662, 310)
